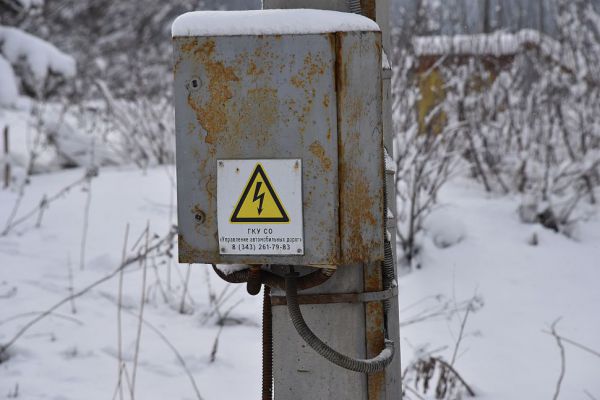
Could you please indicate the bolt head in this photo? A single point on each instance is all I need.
(200, 216)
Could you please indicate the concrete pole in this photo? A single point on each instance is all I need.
(353, 329)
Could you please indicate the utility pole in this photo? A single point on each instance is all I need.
(299, 373)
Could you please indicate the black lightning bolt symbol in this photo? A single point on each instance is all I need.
(260, 197)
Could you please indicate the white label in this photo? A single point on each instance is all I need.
(259, 207)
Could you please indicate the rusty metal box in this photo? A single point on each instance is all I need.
(269, 94)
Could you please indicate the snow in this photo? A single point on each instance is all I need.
(504, 353)
(269, 22)
(390, 164)
(26, 4)
(41, 56)
(444, 228)
(521, 289)
(231, 268)
(9, 91)
(74, 147)
(73, 356)
(68, 143)
(497, 43)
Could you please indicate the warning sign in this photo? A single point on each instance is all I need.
(259, 202)
(259, 207)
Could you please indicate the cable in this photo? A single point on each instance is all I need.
(307, 281)
(368, 366)
(354, 6)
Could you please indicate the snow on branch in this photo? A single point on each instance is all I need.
(8, 90)
(40, 58)
(30, 3)
(20, 5)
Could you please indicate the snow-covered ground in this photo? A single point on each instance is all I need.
(475, 248)
(74, 355)
(520, 291)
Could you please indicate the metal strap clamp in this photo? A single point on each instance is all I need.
(331, 298)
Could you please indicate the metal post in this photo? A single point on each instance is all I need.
(300, 373)
(6, 160)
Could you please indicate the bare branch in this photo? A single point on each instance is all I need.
(141, 315)
(166, 240)
(574, 343)
(175, 352)
(562, 359)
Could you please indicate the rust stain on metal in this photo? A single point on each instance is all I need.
(297, 81)
(368, 7)
(358, 193)
(358, 198)
(187, 253)
(250, 119)
(376, 385)
(312, 67)
(191, 128)
(357, 203)
(355, 112)
(375, 338)
(340, 69)
(197, 209)
(374, 327)
(317, 149)
(253, 69)
(212, 115)
(378, 48)
(211, 187)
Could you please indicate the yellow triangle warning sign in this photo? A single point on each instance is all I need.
(259, 202)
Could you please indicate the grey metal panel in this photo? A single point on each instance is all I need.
(360, 135)
(256, 97)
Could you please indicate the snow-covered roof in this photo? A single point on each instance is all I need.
(497, 43)
(269, 22)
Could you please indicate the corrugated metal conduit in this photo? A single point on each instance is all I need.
(354, 6)
(368, 366)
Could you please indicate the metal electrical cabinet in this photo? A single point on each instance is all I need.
(313, 99)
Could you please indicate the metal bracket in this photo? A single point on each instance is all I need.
(331, 298)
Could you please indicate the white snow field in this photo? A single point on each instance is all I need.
(474, 246)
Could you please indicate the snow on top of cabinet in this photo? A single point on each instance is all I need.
(269, 22)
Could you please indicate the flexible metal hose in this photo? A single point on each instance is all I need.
(389, 273)
(368, 366)
(388, 267)
(354, 6)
